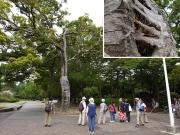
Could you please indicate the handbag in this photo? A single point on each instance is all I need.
(130, 109)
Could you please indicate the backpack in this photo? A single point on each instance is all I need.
(48, 107)
(81, 107)
(157, 104)
(105, 108)
(141, 108)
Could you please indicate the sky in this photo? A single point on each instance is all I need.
(77, 8)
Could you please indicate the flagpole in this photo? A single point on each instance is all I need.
(171, 116)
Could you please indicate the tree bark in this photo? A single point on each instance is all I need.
(65, 87)
(136, 28)
(156, 87)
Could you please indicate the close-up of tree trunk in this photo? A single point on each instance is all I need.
(136, 28)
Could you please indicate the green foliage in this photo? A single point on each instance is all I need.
(11, 100)
(163, 98)
(30, 91)
(34, 44)
(90, 91)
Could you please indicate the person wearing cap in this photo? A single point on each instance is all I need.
(81, 120)
(139, 114)
(103, 110)
(127, 110)
(91, 113)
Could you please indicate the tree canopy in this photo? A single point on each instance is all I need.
(29, 59)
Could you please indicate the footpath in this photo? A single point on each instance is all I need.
(29, 120)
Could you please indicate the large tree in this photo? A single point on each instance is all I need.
(135, 28)
(33, 30)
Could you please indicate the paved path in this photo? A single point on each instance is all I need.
(29, 120)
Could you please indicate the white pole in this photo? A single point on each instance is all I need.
(171, 116)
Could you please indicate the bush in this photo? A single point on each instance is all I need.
(7, 94)
(17, 96)
(163, 98)
(11, 100)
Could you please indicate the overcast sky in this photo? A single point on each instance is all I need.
(95, 9)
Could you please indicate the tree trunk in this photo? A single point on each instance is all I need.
(156, 88)
(65, 93)
(133, 92)
(100, 92)
(65, 87)
(135, 28)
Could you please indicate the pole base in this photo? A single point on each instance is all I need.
(173, 129)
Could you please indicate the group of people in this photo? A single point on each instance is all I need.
(89, 111)
(124, 109)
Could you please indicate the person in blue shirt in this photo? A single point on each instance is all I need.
(91, 113)
(139, 113)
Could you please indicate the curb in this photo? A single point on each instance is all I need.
(14, 108)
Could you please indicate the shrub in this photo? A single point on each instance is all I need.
(7, 94)
(11, 100)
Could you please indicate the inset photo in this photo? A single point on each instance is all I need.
(141, 28)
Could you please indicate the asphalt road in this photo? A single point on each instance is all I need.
(29, 120)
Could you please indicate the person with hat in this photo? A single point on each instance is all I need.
(91, 113)
(103, 110)
(81, 120)
(139, 114)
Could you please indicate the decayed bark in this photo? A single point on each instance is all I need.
(65, 102)
(135, 28)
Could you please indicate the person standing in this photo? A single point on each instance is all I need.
(178, 108)
(112, 111)
(121, 109)
(154, 105)
(144, 111)
(139, 114)
(48, 115)
(91, 113)
(103, 109)
(127, 110)
(82, 113)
